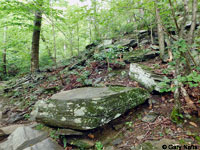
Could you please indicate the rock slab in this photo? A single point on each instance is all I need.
(145, 77)
(88, 108)
(25, 138)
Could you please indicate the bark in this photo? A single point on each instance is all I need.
(78, 38)
(36, 41)
(160, 33)
(194, 18)
(174, 16)
(94, 3)
(185, 15)
(54, 34)
(4, 52)
(71, 44)
(169, 49)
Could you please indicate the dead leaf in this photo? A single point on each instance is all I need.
(199, 113)
(163, 98)
(91, 136)
(193, 124)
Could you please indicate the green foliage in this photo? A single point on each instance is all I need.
(27, 116)
(165, 85)
(39, 127)
(176, 116)
(64, 140)
(193, 79)
(53, 135)
(99, 146)
(83, 78)
(129, 124)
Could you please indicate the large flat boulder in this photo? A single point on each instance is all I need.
(88, 108)
(146, 77)
(25, 138)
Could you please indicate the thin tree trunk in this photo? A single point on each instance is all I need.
(71, 44)
(4, 52)
(78, 38)
(152, 39)
(194, 18)
(90, 33)
(160, 34)
(173, 15)
(54, 34)
(94, 3)
(36, 41)
(47, 47)
(169, 49)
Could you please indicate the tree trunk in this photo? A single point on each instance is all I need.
(54, 34)
(194, 18)
(160, 34)
(4, 52)
(94, 3)
(78, 39)
(47, 47)
(71, 43)
(36, 41)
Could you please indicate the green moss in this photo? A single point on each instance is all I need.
(145, 67)
(97, 112)
(80, 144)
(116, 88)
(176, 117)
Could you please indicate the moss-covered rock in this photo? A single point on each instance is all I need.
(88, 108)
(145, 77)
(140, 55)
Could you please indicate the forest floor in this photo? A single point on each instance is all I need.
(150, 121)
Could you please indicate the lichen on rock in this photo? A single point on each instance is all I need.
(88, 108)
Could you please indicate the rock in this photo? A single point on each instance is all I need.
(82, 143)
(105, 44)
(156, 145)
(118, 126)
(189, 141)
(140, 55)
(155, 47)
(145, 77)
(97, 81)
(151, 117)
(127, 43)
(117, 141)
(68, 132)
(140, 137)
(144, 42)
(143, 35)
(46, 144)
(25, 138)
(15, 117)
(110, 148)
(88, 108)
(5, 131)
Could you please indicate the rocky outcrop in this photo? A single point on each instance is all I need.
(88, 108)
(145, 77)
(127, 43)
(25, 138)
